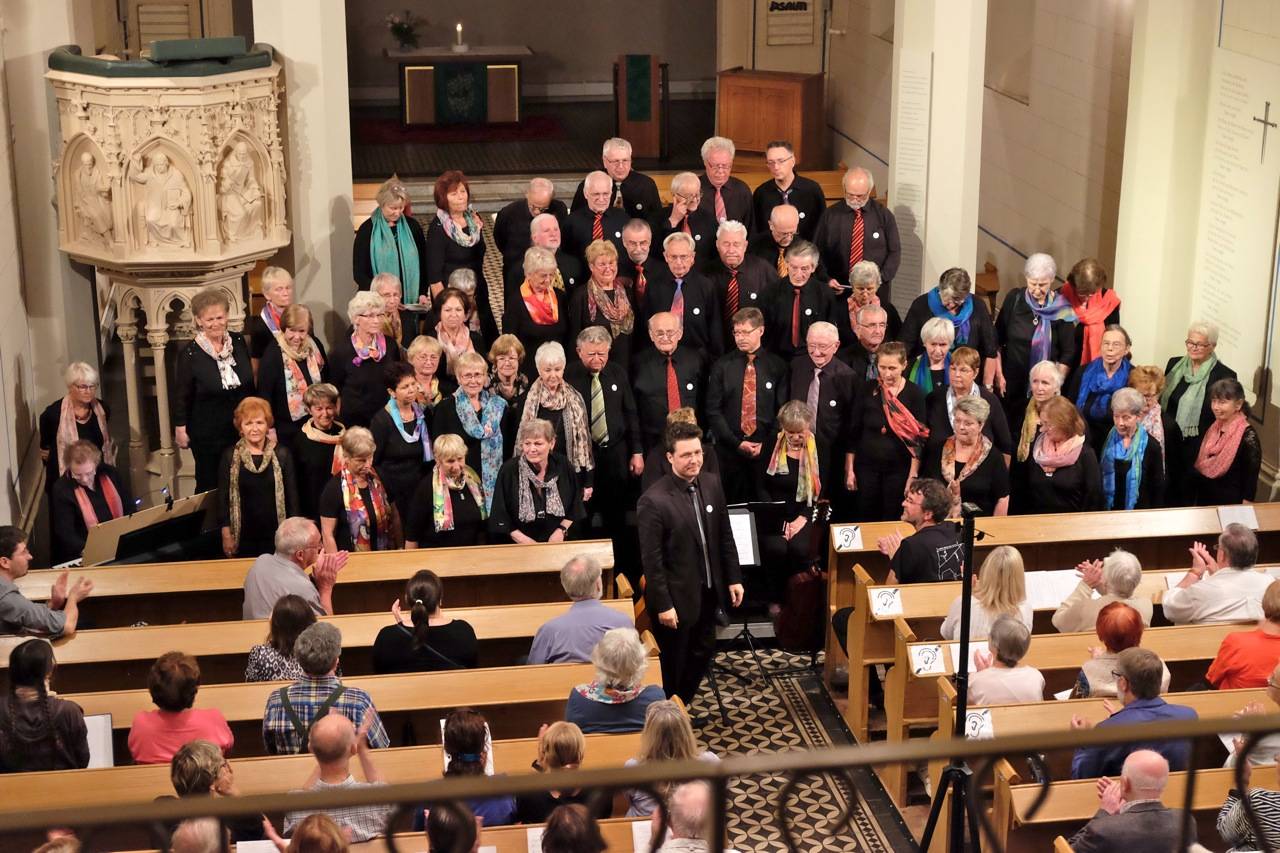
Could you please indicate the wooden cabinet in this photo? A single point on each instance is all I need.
(755, 107)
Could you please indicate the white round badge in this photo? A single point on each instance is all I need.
(753, 296)
(768, 386)
(802, 214)
(639, 206)
(831, 403)
(613, 387)
(571, 280)
(697, 236)
(808, 311)
(689, 386)
(697, 311)
(709, 507)
(617, 234)
(875, 235)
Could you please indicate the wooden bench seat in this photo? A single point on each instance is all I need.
(213, 590)
(617, 834)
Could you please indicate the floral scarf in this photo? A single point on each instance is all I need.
(464, 238)
(319, 436)
(270, 317)
(1094, 317)
(442, 499)
(1064, 457)
(485, 425)
(1094, 397)
(902, 422)
(109, 493)
(1152, 421)
(396, 252)
(921, 372)
(1054, 309)
(960, 319)
(1030, 426)
(1114, 451)
(362, 538)
(374, 351)
(225, 359)
(597, 692)
(1219, 446)
(1192, 401)
(242, 457)
(429, 395)
(68, 432)
(808, 483)
(543, 312)
(519, 385)
(949, 460)
(550, 489)
(295, 381)
(456, 345)
(617, 310)
(567, 401)
(419, 433)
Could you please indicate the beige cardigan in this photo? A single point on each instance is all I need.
(1079, 610)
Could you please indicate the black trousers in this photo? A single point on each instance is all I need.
(783, 558)
(687, 650)
(612, 496)
(880, 491)
(739, 474)
(208, 456)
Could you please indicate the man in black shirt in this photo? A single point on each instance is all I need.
(633, 192)
(544, 232)
(741, 280)
(787, 187)
(689, 295)
(723, 196)
(771, 246)
(869, 325)
(595, 220)
(799, 301)
(511, 226)
(666, 377)
(683, 214)
(858, 214)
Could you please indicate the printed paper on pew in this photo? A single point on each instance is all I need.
(886, 602)
(1240, 514)
(927, 660)
(1174, 578)
(1063, 695)
(488, 749)
(534, 836)
(1048, 589)
(256, 847)
(101, 747)
(489, 848)
(974, 648)
(846, 537)
(641, 835)
(978, 725)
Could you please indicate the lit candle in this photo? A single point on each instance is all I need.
(459, 33)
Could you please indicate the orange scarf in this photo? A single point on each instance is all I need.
(1094, 318)
(544, 312)
(109, 493)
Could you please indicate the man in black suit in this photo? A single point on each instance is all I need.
(641, 265)
(634, 193)
(666, 377)
(859, 212)
(771, 246)
(1131, 814)
(828, 386)
(689, 295)
(787, 187)
(799, 301)
(740, 280)
(690, 562)
(595, 220)
(511, 227)
(614, 426)
(744, 426)
(544, 232)
(683, 214)
(723, 196)
(869, 325)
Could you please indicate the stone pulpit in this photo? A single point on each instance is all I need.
(170, 178)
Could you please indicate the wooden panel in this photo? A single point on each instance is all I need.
(418, 83)
(504, 94)
(755, 107)
(161, 21)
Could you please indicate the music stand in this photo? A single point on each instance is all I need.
(150, 530)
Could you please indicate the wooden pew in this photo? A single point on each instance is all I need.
(416, 699)
(111, 657)
(617, 834)
(213, 590)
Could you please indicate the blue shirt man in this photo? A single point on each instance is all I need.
(569, 638)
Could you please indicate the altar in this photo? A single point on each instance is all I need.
(444, 86)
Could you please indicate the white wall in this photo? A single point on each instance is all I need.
(859, 91)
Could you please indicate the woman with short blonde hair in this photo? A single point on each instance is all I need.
(536, 312)
(505, 378)
(277, 296)
(448, 507)
(1001, 590)
(424, 353)
(257, 487)
(317, 447)
(291, 362)
(356, 513)
(357, 362)
(561, 746)
(483, 420)
(606, 301)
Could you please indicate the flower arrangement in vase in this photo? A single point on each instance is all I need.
(404, 28)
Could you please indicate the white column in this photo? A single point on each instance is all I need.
(310, 39)
(935, 137)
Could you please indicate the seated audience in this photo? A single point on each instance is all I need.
(505, 379)
(688, 813)
(1268, 748)
(38, 730)
(1233, 823)
(1119, 626)
(292, 362)
(257, 489)
(356, 512)
(274, 660)
(1131, 815)
(155, 736)
(571, 637)
(466, 747)
(667, 736)
(426, 640)
(1130, 458)
(401, 440)
(1223, 587)
(998, 679)
(78, 416)
(1063, 474)
(89, 493)
(616, 699)
(452, 828)
(1246, 658)
(1229, 460)
(356, 363)
(317, 833)
(969, 462)
(197, 835)
(316, 448)
(561, 746)
(1138, 677)
(537, 497)
(18, 615)
(448, 509)
(572, 829)
(334, 740)
(1114, 579)
(284, 572)
(1000, 590)
(199, 769)
(290, 711)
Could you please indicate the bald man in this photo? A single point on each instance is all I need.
(595, 220)
(545, 232)
(1130, 813)
(771, 246)
(634, 192)
(511, 227)
(334, 742)
(858, 214)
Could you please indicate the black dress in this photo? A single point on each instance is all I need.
(1015, 326)
(1189, 447)
(586, 477)
(988, 483)
(504, 514)
(205, 408)
(258, 521)
(49, 420)
(449, 646)
(444, 255)
(331, 507)
(399, 463)
(313, 465)
(468, 520)
(69, 530)
(580, 318)
(783, 558)
(1238, 484)
(445, 420)
(982, 333)
(1074, 488)
(362, 261)
(516, 321)
(271, 387)
(882, 462)
(361, 385)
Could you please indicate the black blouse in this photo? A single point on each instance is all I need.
(399, 463)
(1150, 489)
(876, 445)
(982, 334)
(361, 385)
(48, 423)
(200, 402)
(271, 386)
(504, 514)
(331, 507)
(1238, 484)
(449, 646)
(516, 321)
(444, 255)
(67, 522)
(362, 261)
(1015, 326)
(468, 520)
(580, 318)
(939, 421)
(258, 521)
(984, 487)
(1075, 488)
(313, 465)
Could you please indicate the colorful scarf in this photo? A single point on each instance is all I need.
(1152, 421)
(1030, 426)
(464, 238)
(69, 433)
(567, 401)
(226, 359)
(543, 312)
(808, 483)
(597, 692)
(1219, 446)
(1096, 388)
(442, 499)
(358, 515)
(456, 346)
(1114, 451)
(922, 374)
(1094, 317)
(271, 317)
(1054, 309)
(1188, 413)
(1064, 457)
(109, 494)
(519, 385)
(949, 460)
(392, 326)
(395, 251)
(295, 381)
(375, 350)
(960, 319)
(430, 395)
(553, 505)
(242, 457)
(616, 310)
(485, 425)
(419, 433)
(319, 436)
(902, 422)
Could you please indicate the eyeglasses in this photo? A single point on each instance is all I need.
(780, 160)
(663, 333)
(1197, 344)
(85, 386)
(719, 167)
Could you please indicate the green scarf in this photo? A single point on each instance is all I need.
(396, 253)
(1188, 414)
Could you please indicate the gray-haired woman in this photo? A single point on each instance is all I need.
(1132, 471)
(617, 698)
(536, 312)
(1035, 324)
(554, 400)
(390, 241)
(78, 416)
(953, 300)
(537, 497)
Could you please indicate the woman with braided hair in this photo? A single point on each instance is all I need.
(39, 731)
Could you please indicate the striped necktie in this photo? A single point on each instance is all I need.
(782, 262)
(599, 426)
(721, 213)
(855, 240)
(597, 227)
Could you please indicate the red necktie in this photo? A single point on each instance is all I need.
(597, 227)
(795, 316)
(782, 262)
(721, 214)
(733, 293)
(749, 397)
(641, 284)
(855, 240)
(673, 386)
(684, 225)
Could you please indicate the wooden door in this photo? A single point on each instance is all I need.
(161, 20)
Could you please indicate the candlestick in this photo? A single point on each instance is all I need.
(459, 33)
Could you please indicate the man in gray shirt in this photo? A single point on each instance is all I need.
(18, 615)
(273, 576)
(571, 637)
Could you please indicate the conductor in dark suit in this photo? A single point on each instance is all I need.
(633, 192)
(511, 227)
(861, 215)
(1131, 815)
(690, 561)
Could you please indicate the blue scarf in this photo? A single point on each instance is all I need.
(419, 427)
(396, 253)
(1114, 451)
(960, 319)
(486, 426)
(921, 375)
(1055, 308)
(1096, 389)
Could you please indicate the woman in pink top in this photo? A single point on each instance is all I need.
(999, 678)
(157, 735)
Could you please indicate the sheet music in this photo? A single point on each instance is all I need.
(744, 538)
(978, 725)
(927, 660)
(641, 836)
(101, 747)
(1174, 578)
(886, 602)
(1242, 514)
(533, 835)
(974, 648)
(255, 847)
(1047, 590)
(1063, 695)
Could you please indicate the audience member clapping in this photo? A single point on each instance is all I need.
(59, 617)
(1000, 590)
(297, 547)
(999, 678)
(1268, 747)
(334, 741)
(1119, 627)
(1114, 579)
(1223, 586)
(667, 736)
(1233, 823)
(1130, 814)
(156, 735)
(39, 731)
(424, 639)
(617, 698)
